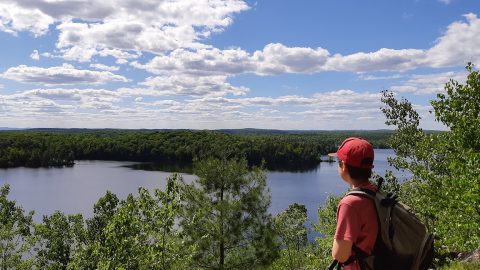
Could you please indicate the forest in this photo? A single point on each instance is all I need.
(279, 150)
(220, 221)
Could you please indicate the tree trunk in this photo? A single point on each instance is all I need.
(222, 238)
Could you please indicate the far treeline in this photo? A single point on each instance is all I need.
(288, 150)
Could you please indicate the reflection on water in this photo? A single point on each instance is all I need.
(76, 189)
(186, 168)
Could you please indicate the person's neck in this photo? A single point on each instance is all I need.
(357, 184)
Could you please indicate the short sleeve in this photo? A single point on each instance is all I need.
(347, 223)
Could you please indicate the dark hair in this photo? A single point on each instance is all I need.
(359, 174)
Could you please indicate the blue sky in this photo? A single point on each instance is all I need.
(227, 64)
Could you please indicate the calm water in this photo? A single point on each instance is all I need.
(76, 189)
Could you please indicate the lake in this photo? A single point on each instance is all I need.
(75, 189)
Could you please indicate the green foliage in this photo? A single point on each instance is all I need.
(311, 259)
(59, 237)
(292, 151)
(225, 216)
(290, 226)
(15, 234)
(137, 233)
(391, 184)
(445, 166)
(326, 226)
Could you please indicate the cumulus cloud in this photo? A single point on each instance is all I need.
(35, 55)
(201, 62)
(65, 74)
(381, 60)
(15, 18)
(429, 83)
(277, 58)
(340, 109)
(184, 85)
(458, 45)
(128, 25)
(455, 47)
(104, 67)
(49, 103)
(369, 77)
(27, 106)
(174, 31)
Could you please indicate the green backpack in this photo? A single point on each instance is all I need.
(403, 242)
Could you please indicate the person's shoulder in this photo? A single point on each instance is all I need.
(350, 200)
(354, 199)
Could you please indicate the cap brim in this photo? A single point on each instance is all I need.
(333, 155)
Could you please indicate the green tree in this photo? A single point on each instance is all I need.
(136, 233)
(290, 226)
(327, 222)
(225, 215)
(15, 234)
(104, 210)
(59, 237)
(445, 184)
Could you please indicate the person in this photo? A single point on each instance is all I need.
(357, 224)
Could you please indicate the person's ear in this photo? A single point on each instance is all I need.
(344, 168)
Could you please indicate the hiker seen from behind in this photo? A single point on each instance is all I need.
(357, 225)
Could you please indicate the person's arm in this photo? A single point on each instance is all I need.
(346, 232)
(341, 250)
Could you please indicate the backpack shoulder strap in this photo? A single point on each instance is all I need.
(362, 192)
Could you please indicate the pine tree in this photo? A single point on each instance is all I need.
(225, 215)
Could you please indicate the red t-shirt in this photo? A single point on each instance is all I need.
(357, 222)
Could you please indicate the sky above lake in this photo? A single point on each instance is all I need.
(199, 64)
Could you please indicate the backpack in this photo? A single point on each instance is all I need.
(403, 242)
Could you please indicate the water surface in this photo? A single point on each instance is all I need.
(76, 189)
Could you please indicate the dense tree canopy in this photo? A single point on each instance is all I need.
(291, 151)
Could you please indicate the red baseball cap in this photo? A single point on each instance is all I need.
(355, 152)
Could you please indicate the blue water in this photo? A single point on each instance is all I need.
(76, 189)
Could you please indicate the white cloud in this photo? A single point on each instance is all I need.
(193, 86)
(14, 19)
(185, 85)
(42, 102)
(366, 77)
(277, 58)
(446, 2)
(174, 30)
(65, 74)
(201, 62)
(458, 45)
(104, 67)
(340, 109)
(127, 25)
(381, 60)
(35, 55)
(428, 84)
